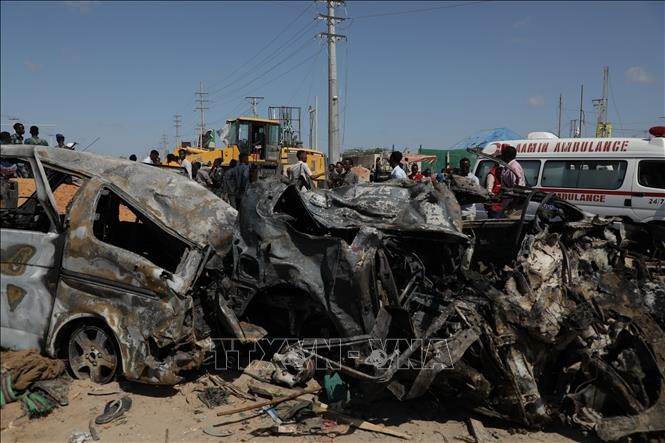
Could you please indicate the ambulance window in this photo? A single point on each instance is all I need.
(590, 174)
(531, 169)
(650, 173)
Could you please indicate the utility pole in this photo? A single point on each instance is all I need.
(314, 124)
(573, 129)
(579, 134)
(558, 134)
(254, 101)
(165, 142)
(178, 124)
(333, 99)
(603, 127)
(202, 108)
(311, 111)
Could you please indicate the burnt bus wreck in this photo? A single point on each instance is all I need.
(553, 316)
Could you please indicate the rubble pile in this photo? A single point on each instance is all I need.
(562, 325)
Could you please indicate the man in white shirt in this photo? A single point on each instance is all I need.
(397, 172)
(300, 172)
(153, 158)
(184, 163)
(468, 211)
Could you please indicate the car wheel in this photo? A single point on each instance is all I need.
(93, 354)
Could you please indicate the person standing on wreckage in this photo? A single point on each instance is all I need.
(397, 172)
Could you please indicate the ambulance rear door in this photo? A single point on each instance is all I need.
(648, 196)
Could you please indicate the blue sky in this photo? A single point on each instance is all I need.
(411, 73)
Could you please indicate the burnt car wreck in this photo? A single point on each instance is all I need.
(554, 316)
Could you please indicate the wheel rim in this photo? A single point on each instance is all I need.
(92, 354)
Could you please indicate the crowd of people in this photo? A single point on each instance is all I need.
(228, 183)
(499, 177)
(19, 170)
(18, 137)
(231, 183)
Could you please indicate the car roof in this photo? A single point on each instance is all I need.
(176, 201)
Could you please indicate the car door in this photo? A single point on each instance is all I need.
(31, 250)
(112, 243)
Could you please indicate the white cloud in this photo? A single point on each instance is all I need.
(81, 6)
(536, 101)
(638, 74)
(33, 67)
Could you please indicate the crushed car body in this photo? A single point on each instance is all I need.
(107, 281)
(552, 315)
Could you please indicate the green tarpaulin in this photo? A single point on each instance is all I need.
(454, 156)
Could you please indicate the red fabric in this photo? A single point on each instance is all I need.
(496, 188)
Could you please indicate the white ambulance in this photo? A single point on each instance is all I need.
(607, 176)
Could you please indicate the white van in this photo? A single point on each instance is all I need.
(606, 176)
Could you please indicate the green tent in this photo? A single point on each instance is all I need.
(452, 155)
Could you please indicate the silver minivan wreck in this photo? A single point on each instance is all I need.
(107, 280)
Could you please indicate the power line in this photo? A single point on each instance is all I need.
(413, 11)
(294, 67)
(270, 42)
(308, 74)
(273, 40)
(267, 71)
(268, 59)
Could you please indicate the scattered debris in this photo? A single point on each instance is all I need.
(478, 431)
(266, 390)
(272, 402)
(92, 430)
(336, 390)
(272, 413)
(36, 404)
(101, 392)
(57, 389)
(215, 433)
(230, 388)
(361, 424)
(113, 410)
(26, 367)
(213, 397)
(79, 437)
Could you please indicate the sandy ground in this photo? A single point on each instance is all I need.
(173, 414)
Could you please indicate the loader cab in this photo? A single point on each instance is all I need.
(259, 138)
